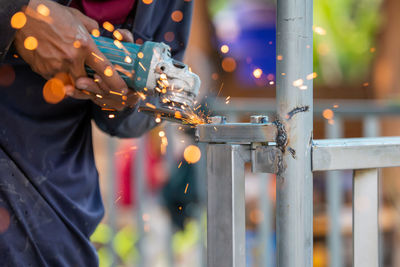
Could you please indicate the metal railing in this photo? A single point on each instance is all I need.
(286, 147)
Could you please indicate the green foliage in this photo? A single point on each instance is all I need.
(343, 54)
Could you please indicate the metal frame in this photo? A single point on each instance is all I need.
(286, 148)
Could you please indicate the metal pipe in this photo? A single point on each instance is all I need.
(334, 199)
(294, 106)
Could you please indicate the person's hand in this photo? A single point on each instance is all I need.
(100, 93)
(65, 45)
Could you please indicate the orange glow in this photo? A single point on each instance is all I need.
(312, 76)
(31, 43)
(158, 120)
(178, 115)
(224, 49)
(298, 82)
(279, 57)
(77, 44)
(18, 20)
(372, 49)
(161, 133)
(108, 26)
(111, 116)
(192, 154)
(147, 2)
(150, 105)
(214, 76)
(177, 16)
(108, 71)
(328, 114)
(118, 35)
(257, 73)
(53, 91)
(169, 36)
(140, 55)
(96, 33)
(43, 10)
(228, 64)
(186, 188)
(128, 59)
(118, 44)
(319, 30)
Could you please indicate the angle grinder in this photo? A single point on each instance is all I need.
(150, 70)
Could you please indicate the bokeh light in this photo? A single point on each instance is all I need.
(328, 114)
(108, 26)
(192, 154)
(224, 49)
(31, 43)
(147, 2)
(96, 33)
(169, 36)
(108, 71)
(228, 64)
(43, 10)
(18, 20)
(177, 16)
(53, 91)
(257, 73)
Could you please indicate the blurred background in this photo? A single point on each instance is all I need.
(154, 187)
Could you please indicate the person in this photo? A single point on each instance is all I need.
(50, 201)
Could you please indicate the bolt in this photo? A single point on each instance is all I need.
(217, 120)
(259, 119)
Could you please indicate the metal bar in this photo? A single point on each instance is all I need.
(236, 132)
(334, 199)
(356, 153)
(365, 218)
(371, 127)
(294, 218)
(265, 236)
(111, 196)
(226, 245)
(139, 187)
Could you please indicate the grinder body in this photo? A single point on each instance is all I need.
(150, 69)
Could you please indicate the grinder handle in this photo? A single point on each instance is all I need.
(123, 59)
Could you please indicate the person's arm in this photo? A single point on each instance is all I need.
(7, 10)
(130, 123)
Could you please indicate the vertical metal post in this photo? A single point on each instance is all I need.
(294, 103)
(139, 167)
(265, 236)
(111, 198)
(226, 245)
(334, 197)
(365, 218)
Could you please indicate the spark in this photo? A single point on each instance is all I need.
(118, 35)
(336, 106)
(279, 57)
(141, 65)
(187, 185)
(140, 55)
(115, 93)
(158, 120)
(108, 109)
(161, 133)
(180, 164)
(99, 96)
(97, 56)
(128, 59)
(271, 82)
(118, 199)
(108, 26)
(147, 2)
(111, 116)
(124, 71)
(303, 87)
(96, 33)
(108, 71)
(150, 105)
(312, 76)
(77, 44)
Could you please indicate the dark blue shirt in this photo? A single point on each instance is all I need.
(50, 201)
